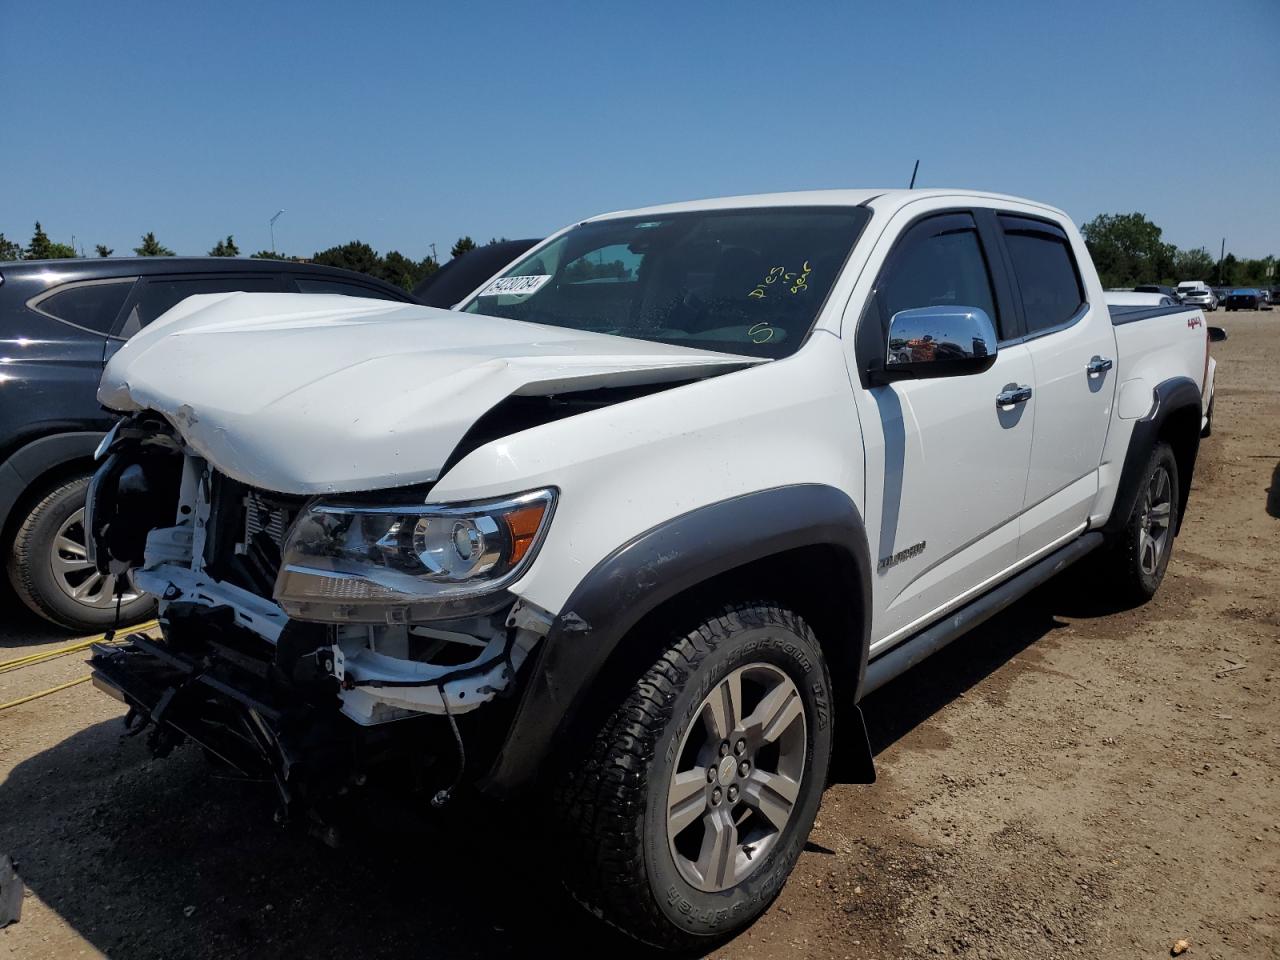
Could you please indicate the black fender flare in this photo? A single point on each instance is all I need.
(1170, 397)
(30, 462)
(656, 567)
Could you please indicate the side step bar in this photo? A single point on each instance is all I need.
(932, 639)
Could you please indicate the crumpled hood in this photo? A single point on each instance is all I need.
(306, 393)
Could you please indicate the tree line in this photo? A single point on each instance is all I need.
(393, 266)
(1128, 250)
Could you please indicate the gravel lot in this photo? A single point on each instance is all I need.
(1069, 781)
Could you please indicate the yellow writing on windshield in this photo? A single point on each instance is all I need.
(793, 280)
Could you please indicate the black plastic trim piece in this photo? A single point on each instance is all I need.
(908, 653)
(1121, 314)
(1170, 396)
(650, 570)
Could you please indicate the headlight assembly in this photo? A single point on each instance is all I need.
(394, 563)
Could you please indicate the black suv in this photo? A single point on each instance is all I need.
(60, 321)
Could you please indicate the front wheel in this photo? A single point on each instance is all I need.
(691, 807)
(51, 573)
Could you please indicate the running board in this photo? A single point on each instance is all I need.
(929, 641)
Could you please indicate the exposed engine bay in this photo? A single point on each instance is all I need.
(254, 686)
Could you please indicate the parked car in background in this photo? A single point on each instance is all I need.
(1222, 293)
(1264, 299)
(60, 322)
(1127, 298)
(1244, 298)
(1169, 292)
(1197, 292)
(457, 278)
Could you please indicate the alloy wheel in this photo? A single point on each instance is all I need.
(1153, 531)
(737, 777)
(76, 575)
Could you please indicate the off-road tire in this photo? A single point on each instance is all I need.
(1120, 568)
(613, 806)
(32, 576)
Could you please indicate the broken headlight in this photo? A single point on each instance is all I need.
(394, 563)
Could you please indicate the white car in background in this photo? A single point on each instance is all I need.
(1197, 293)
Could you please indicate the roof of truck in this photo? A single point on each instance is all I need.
(817, 198)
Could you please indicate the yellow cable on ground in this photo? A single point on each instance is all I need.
(43, 655)
(43, 693)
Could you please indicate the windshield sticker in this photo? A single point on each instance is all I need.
(515, 286)
(794, 280)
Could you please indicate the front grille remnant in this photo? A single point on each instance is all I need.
(261, 517)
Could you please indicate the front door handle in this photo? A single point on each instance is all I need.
(1099, 365)
(1013, 394)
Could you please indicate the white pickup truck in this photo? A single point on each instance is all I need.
(636, 526)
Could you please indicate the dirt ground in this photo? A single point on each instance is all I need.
(1068, 781)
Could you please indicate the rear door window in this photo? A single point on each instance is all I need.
(163, 293)
(91, 305)
(1045, 272)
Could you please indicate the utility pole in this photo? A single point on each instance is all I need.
(1222, 253)
(273, 230)
(433, 253)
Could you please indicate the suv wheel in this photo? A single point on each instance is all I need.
(693, 803)
(1137, 558)
(50, 570)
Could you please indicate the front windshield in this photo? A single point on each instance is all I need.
(745, 281)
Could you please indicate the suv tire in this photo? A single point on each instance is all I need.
(42, 566)
(718, 755)
(1135, 560)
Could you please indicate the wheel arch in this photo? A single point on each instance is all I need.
(802, 546)
(1174, 419)
(36, 467)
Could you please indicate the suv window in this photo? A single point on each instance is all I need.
(159, 295)
(343, 287)
(92, 305)
(1045, 272)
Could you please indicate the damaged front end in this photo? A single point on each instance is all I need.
(309, 638)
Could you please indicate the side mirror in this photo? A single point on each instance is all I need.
(1217, 334)
(939, 342)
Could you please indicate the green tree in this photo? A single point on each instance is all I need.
(356, 255)
(104, 250)
(42, 248)
(151, 247)
(1193, 265)
(267, 255)
(1127, 249)
(9, 250)
(225, 248)
(462, 246)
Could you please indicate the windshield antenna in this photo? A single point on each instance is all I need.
(914, 171)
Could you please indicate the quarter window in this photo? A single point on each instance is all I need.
(1045, 271)
(93, 305)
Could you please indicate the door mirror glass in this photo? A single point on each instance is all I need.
(939, 342)
(1217, 334)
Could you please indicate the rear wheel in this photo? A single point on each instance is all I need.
(1136, 559)
(696, 797)
(50, 570)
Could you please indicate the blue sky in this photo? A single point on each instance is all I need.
(404, 124)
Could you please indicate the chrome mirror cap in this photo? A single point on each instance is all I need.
(940, 341)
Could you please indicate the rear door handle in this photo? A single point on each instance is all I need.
(1099, 365)
(1013, 394)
